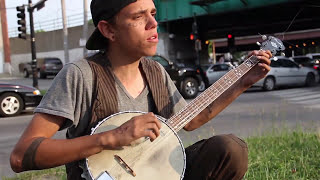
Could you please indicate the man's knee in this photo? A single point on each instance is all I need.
(233, 152)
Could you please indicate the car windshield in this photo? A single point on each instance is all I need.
(302, 60)
(53, 61)
(316, 57)
(205, 67)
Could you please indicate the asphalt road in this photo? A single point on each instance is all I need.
(255, 112)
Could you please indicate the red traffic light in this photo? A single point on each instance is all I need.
(229, 36)
(191, 37)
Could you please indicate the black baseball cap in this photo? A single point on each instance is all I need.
(103, 10)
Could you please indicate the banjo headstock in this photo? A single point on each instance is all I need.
(272, 44)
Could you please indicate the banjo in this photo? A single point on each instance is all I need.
(164, 158)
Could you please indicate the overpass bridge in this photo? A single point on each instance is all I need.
(294, 21)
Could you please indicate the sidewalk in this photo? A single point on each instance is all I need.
(7, 76)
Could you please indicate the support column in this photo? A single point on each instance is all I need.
(5, 38)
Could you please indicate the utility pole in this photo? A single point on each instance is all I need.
(31, 9)
(33, 48)
(65, 32)
(85, 25)
(5, 37)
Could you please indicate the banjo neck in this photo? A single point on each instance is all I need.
(197, 105)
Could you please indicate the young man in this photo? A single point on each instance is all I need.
(120, 79)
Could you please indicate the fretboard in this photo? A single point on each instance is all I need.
(197, 105)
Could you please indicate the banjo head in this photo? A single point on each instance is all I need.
(164, 158)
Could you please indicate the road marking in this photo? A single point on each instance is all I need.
(305, 97)
(292, 95)
(309, 101)
(308, 97)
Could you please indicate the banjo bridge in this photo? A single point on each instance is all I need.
(125, 165)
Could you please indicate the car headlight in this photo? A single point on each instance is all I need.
(36, 92)
(181, 72)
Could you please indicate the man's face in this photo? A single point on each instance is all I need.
(136, 29)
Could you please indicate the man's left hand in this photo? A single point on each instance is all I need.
(260, 70)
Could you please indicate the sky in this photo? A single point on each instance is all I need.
(51, 11)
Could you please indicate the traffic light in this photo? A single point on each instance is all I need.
(194, 34)
(231, 42)
(22, 22)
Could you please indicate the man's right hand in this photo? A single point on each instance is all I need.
(146, 125)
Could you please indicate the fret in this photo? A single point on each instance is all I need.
(219, 83)
(238, 72)
(227, 80)
(234, 76)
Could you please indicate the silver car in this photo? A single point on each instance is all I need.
(213, 72)
(285, 72)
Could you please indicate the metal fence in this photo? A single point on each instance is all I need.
(52, 24)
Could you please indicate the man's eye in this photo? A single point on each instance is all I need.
(137, 17)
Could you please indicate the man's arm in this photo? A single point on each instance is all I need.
(255, 74)
(29, 153)
(36, 149)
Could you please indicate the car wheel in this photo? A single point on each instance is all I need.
(202, 86)
(11, 104)
(25, 73)
(310, 80)
(43, 75)
(189, 88)
(269, 84)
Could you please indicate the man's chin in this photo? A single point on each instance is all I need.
(151, 52)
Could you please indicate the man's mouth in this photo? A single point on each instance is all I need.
(153, 38)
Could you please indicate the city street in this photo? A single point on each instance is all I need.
(253, 113)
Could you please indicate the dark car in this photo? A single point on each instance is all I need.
(308, 61)
(15, 98)
(45, 66)
(187, 79)
(305, 61)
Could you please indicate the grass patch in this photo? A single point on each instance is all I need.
(281, 155)
(58, 173)
(43, 92)
(286, 155)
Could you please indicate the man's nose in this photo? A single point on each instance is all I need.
(152, 22)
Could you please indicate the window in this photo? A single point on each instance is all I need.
(275, 63)
(288, 63)
(160, 60)
(220, 67)
(53, 61)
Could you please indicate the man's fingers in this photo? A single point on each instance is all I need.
(153, 128)
(264, 59)
(264, 66)
(151, 118)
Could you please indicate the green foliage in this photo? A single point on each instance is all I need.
(285, 155)
(52, 174)
(90, 22)
(39, 31)
(43, 92)
(288, 155)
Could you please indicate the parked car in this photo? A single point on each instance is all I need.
(213, 72)
(308, 61)
(14, 98)
(45, 66)
(187, 79)
(285, 72)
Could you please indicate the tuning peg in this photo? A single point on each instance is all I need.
(258, 43)
(283, 54)
(264, 37)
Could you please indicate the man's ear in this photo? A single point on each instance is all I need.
(106, 30)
